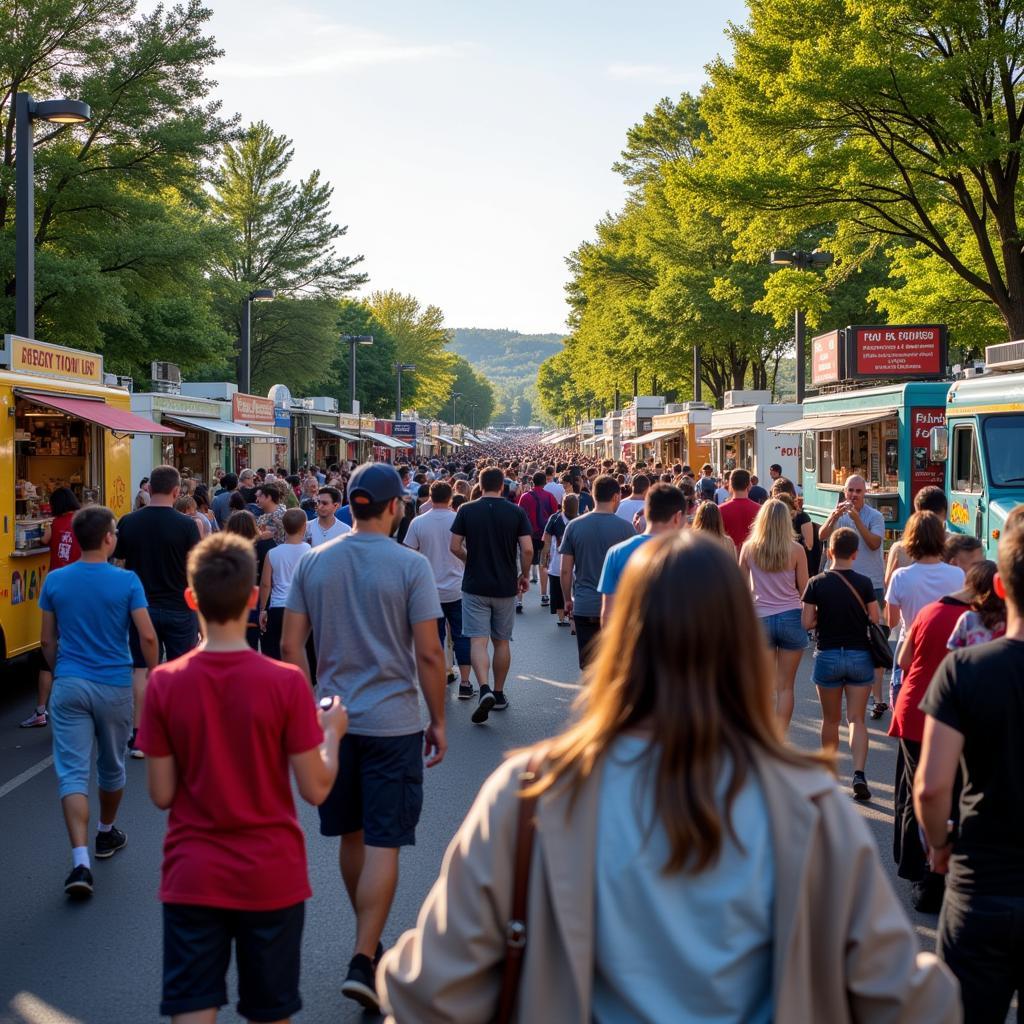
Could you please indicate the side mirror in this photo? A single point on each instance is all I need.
(938, 444)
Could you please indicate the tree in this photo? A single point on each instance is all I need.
(279, 234)
(897, 121)
(420, 340)
(476, 406)
(121, 233)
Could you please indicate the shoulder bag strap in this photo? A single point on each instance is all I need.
(853, 590)
(515, 929)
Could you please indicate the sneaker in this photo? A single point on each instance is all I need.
(926, 896)
(860, 787)
(483, 708)
(519, 609)
(544, 600)
(451, 675)
(133, 751)
(108, 843)
(359, 983)
(466, 691)
(500, 701)
(78, 885)
(534, 578)
(879, 709)
(563, 622)
(34, 721)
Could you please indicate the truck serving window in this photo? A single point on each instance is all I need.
(966, 475)
(1004, 451)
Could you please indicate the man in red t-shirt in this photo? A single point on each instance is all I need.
(539, 505)
(739, 512)
(220, 728)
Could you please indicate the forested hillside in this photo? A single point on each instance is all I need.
(509, 360)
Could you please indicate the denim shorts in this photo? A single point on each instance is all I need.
(492, 617)
(843, 666)
(81, 709)
(785, 631)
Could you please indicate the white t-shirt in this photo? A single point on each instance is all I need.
(283, 560)
(916, 585)
(557, 490)
(431, 535)
(628, 508)
(317, 535)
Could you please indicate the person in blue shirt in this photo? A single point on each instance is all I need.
(664, 512)
(86, 608)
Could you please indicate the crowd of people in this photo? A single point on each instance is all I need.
(307, 625)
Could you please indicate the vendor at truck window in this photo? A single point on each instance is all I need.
(870, 451)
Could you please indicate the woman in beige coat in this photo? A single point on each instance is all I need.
(687, 865)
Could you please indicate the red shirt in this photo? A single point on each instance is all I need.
(930, 632)
(738, 515)
(64, 547)
(539, 506)
(230, 720)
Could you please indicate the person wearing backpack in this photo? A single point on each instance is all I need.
(539, 505)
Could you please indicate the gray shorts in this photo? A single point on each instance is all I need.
(80, 710)
(492, 617)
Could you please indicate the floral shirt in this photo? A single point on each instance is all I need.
(970, 630)
(273, 521)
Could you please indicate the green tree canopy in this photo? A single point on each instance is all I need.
(477, 402)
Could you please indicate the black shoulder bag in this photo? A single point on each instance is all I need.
(878, 642)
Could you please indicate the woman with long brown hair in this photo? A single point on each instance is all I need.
(708, 520)
(680, 848)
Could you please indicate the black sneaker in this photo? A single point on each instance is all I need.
(483, 708)
(879, 709)
(519, 609)
(108, 843)
(359, 983)
(500, 701)
(860, 787)
(78, 885)
(466, 691)
(451, 676)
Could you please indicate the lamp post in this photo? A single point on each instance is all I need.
(27, 110)
(800, 259)
(456, 395)
(245, 345)
(354, 340)
(472, 417)
(401, 368)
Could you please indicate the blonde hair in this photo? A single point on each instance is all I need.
(771, 537)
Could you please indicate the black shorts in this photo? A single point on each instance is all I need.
(378, 791)
(538, 547)
(197, 954)
(557, 598)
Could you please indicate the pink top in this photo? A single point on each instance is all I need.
(774, 592)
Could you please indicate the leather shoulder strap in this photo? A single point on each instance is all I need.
(515, 929)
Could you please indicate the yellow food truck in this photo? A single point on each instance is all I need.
(61, 425)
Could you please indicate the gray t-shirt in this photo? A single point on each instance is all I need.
(587, 539)
(363, 593)
(869, 563)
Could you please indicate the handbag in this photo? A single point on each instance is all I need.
(878, 642)
(515, 929)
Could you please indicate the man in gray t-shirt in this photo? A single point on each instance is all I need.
(373, 608)
(584, 545)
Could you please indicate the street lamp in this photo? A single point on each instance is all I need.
(245, 346)
(401, 368)
(455, 396)
(353, 340)
(472, 416)
(800, 259)
(26, 110)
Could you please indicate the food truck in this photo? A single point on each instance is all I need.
(61, 425)
(678, 435)
(879, 432)
(982, 445)
(745, 434)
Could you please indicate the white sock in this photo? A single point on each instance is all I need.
(80, 856)
(104, 828)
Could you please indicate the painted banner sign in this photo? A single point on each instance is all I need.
(252, 409)
(28, 356)
(827, 358)
(883, 352)
(404, 430)
(924, 472)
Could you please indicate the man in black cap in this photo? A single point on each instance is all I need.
(373, 608)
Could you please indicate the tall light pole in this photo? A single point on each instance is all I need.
(354, 340)
(472, 416)
(245, 344)
(800, 259)
(455, 396)
(27, 110)
(401, 368)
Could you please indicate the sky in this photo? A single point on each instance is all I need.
(469, 144)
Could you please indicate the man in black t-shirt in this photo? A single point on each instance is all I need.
(154, 543)
(487, 535)
(975, 720)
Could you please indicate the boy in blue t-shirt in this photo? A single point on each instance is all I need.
(86, 609)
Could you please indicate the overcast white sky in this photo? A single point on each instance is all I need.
(469, 143)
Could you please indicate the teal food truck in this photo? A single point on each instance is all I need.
(982, 444)
(882, 432)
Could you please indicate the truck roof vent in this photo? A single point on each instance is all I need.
(1008, 356)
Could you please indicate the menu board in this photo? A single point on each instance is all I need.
(916, 351)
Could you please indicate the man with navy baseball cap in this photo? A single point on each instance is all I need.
(372, 606)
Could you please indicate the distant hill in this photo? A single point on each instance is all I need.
(509, 360)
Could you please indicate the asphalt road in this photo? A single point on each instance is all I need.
(93, 962)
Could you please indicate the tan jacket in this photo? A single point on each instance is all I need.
(844, 949)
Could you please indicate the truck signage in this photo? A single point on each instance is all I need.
(37, 357)
(905, 350)
(924, 472)
(827, 362)
(252, 409)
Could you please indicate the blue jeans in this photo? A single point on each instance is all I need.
(452, 616)
(81, 710)
(843, 666)
(177, 632)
